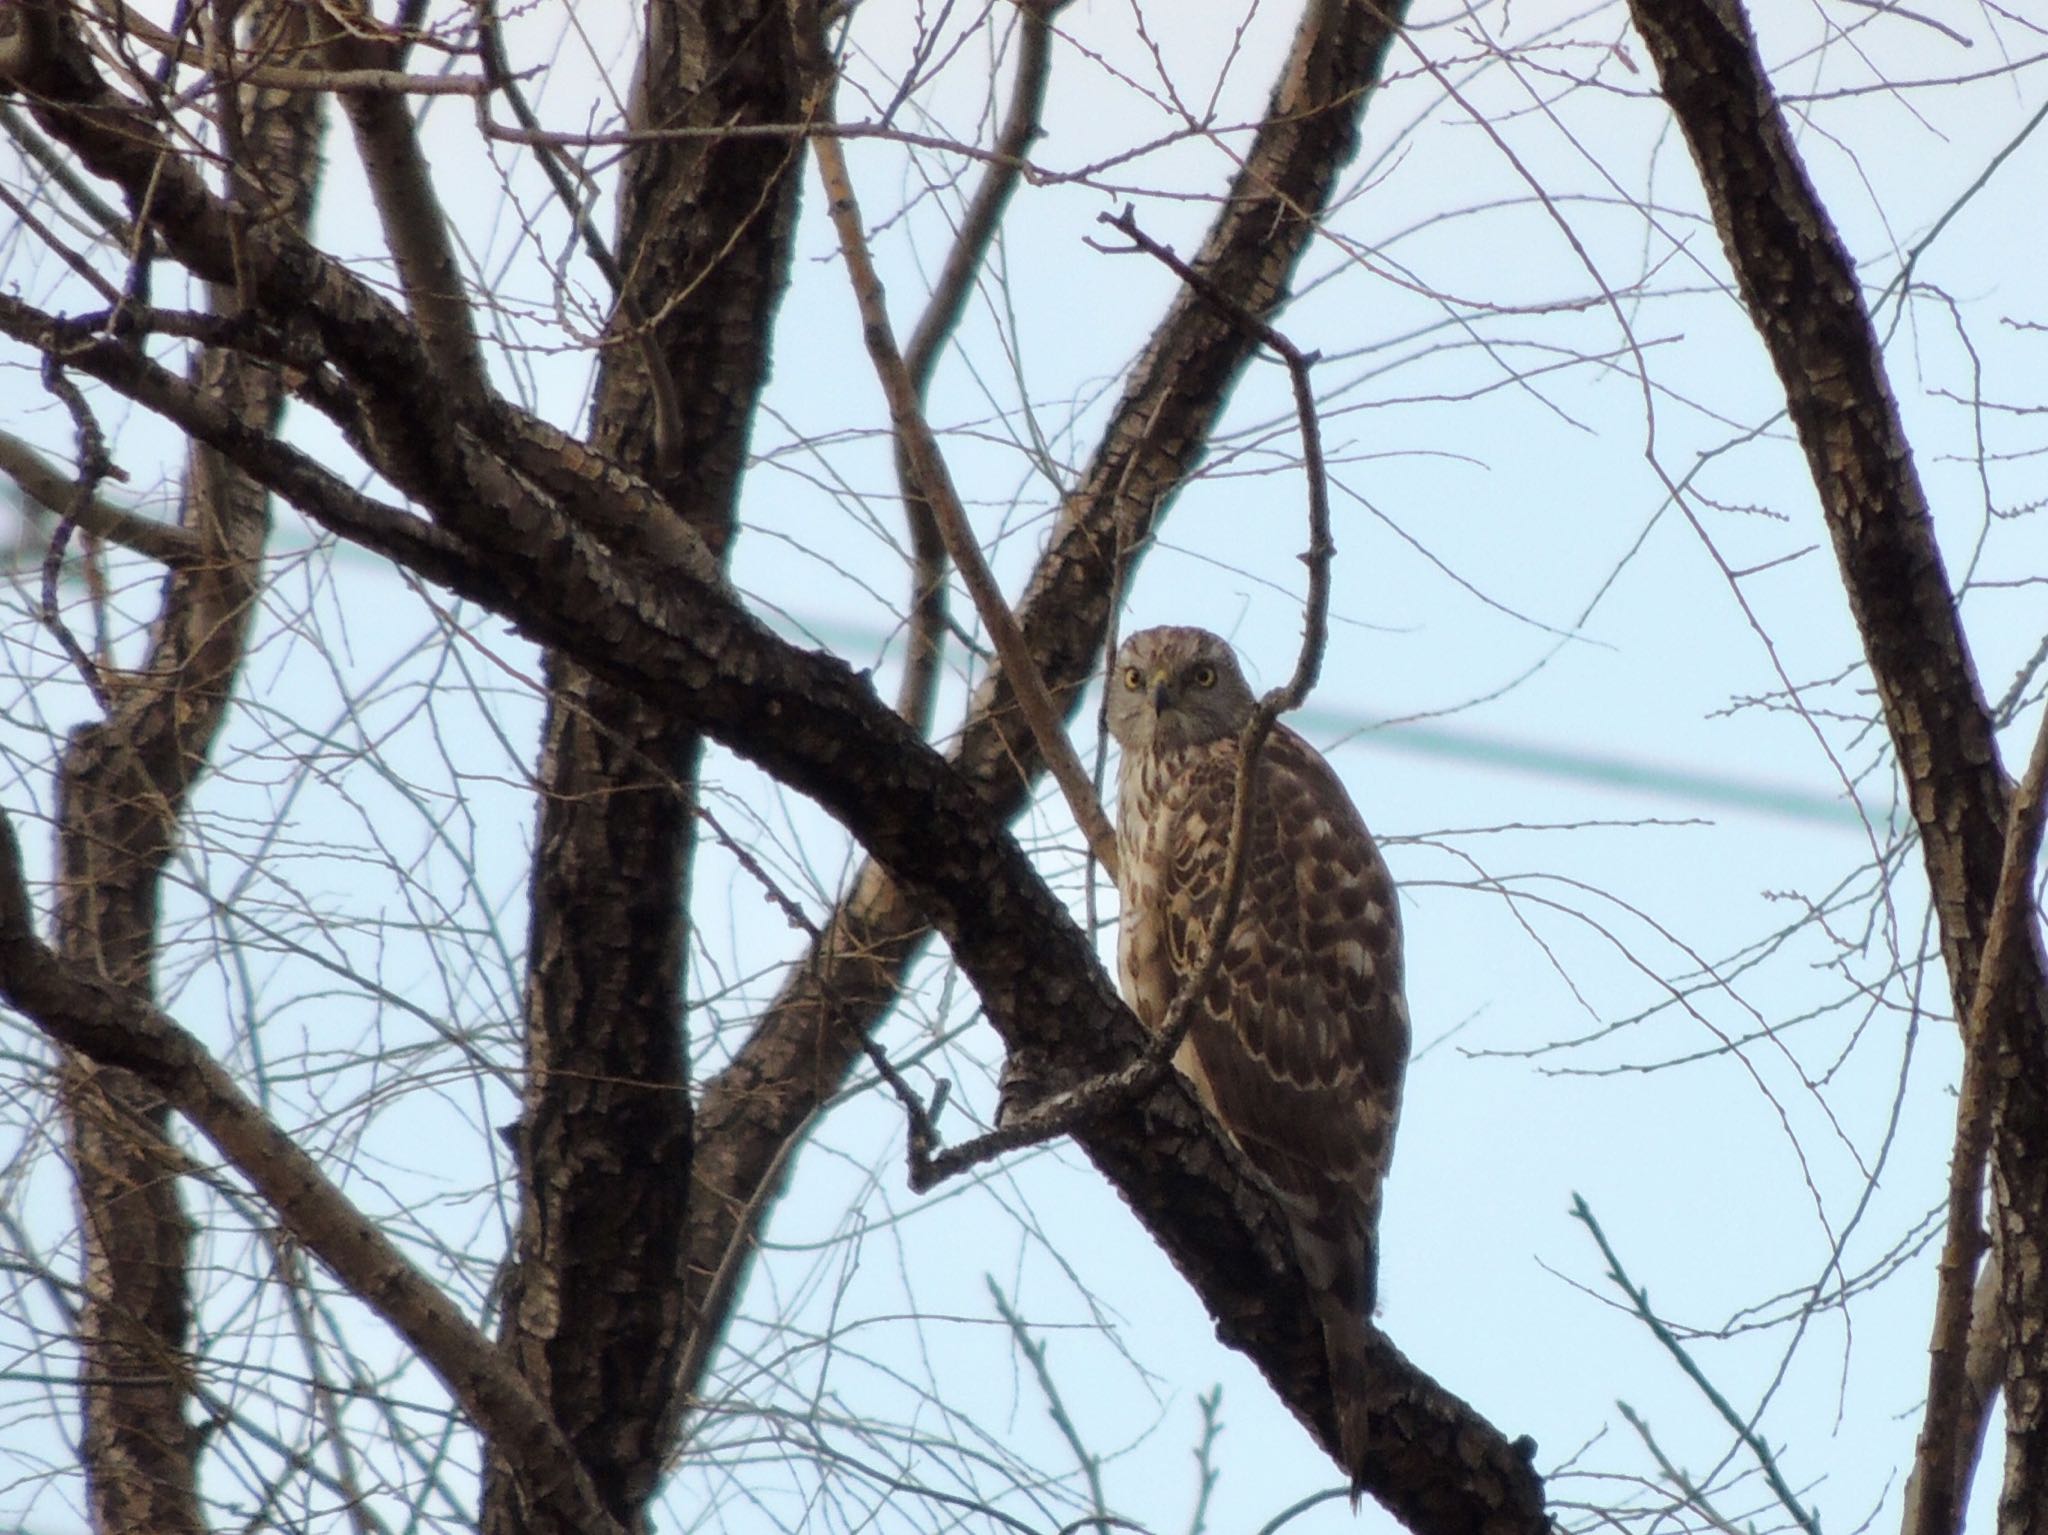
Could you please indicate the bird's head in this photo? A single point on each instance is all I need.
(1174, 687)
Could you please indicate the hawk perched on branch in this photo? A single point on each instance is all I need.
(1299, 1044)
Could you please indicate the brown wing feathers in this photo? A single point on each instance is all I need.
(1299, 1045)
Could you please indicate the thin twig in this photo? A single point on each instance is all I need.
(1300, 1506)
(290, 1273)
(94, 465)
(1034, 1351)
(706, 1333)
(1639, 1302)
(1308, 666)
(553, 159)
(1111, 641)
(25, 218)
(929, 465)
(364, 82)
(1689, 1493)
(59, 170)
(1211, 1402)
(814, 128)
(283, 77)
(554, 162)
(770, 887)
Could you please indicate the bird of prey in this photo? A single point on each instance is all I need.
(1298, 1045)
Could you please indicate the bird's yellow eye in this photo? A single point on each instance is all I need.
(1133, 678)
(1205, 676)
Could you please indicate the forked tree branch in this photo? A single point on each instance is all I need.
(1937, 1491)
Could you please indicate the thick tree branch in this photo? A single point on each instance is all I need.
(122, 787)
(415, 228)
(1952, 1421)
(1801, 291)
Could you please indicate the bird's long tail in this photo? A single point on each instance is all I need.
(1347, 1339)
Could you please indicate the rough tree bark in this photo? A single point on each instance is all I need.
(121, 791)
(1800, 287)
(595, 1310)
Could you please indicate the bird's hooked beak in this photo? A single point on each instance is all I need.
(1161, 691)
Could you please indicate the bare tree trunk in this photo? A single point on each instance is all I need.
(122, 789)
(1801, 290)
(595, 1312)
